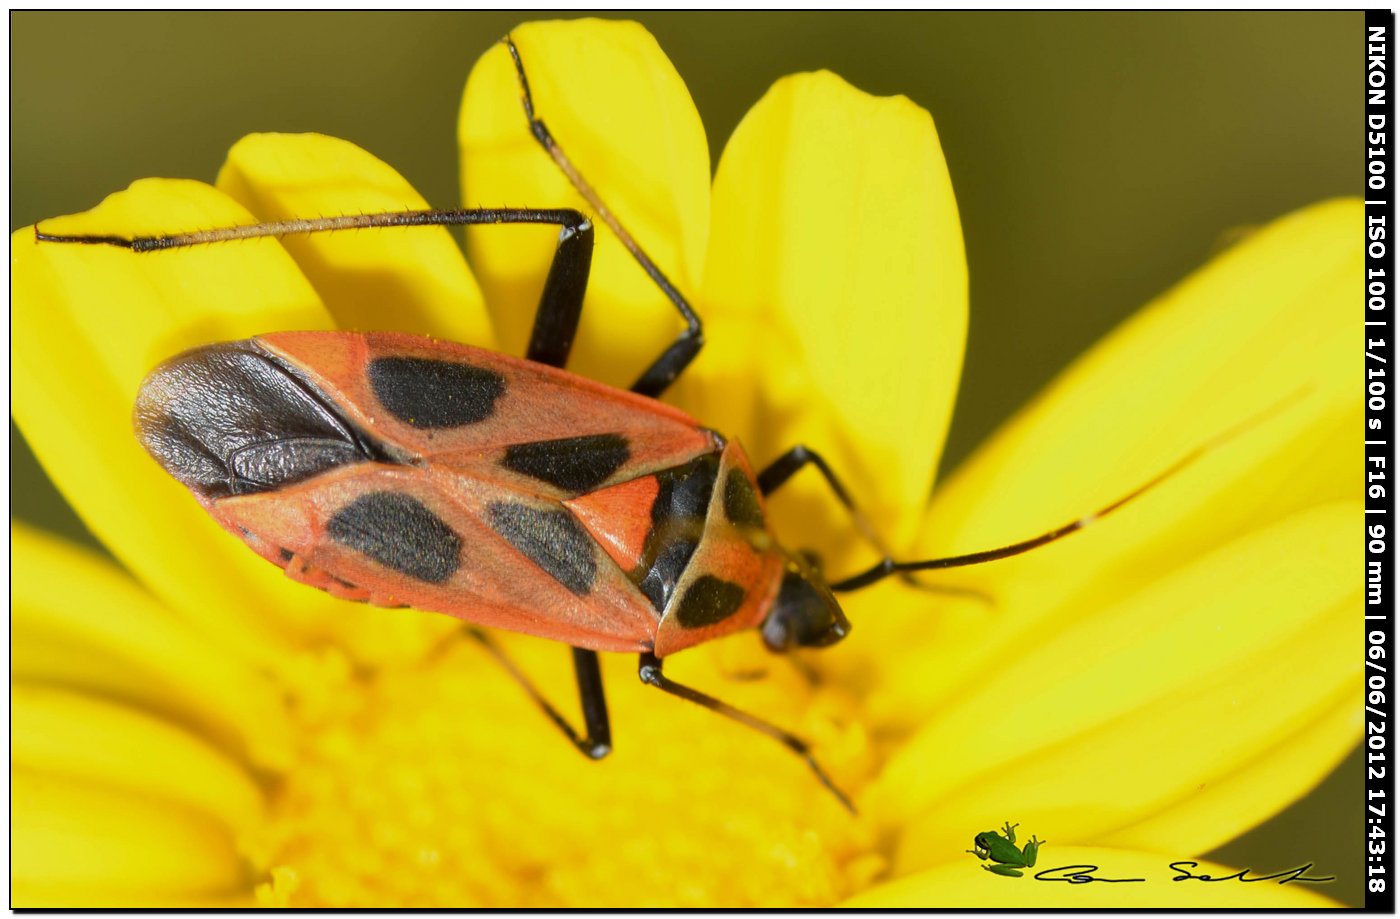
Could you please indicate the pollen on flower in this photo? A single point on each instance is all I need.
(277, 891)
(441, 785)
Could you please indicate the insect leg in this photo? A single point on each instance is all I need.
(556, 323)
(561, 301)
(596, 742)
(776, 473)
(649, 669)
(595, 704)
(664, 370)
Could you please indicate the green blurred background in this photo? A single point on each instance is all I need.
(1097, 158)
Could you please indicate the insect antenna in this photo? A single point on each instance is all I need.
(888, 566)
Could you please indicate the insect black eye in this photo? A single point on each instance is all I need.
(232, 419)
(804, 614)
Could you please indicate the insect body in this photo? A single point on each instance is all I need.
(402, 470)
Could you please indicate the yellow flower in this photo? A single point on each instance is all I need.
(204, 732)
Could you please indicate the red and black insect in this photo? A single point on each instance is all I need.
(405, 471)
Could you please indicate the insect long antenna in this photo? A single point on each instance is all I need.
(888, 566)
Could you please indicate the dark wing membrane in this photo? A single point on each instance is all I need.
(489, 415)
(434, 540)
(232, 419)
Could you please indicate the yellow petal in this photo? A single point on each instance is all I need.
(64, 734)
(89, 323)
(75, 835)
(1301, 760)
(79, 622)
(407, 280)
(623, 116)
(836, 290)
(1213, 675)
(65, 896)
(963, 884)
(457, 791)
(1263, 338)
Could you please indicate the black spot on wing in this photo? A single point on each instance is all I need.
(678, 517)
(684, 492)
(428, 393)
(659, 582)
(399, 532)
(741, 501)
(577, 464)
(552, 539)
(708, 600)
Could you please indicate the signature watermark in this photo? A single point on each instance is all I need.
(999, 851)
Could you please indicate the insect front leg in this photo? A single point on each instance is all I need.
(776, 473)
(649, 670)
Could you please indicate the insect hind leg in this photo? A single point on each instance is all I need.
(664, 370)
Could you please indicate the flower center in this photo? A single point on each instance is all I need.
(442, 785)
